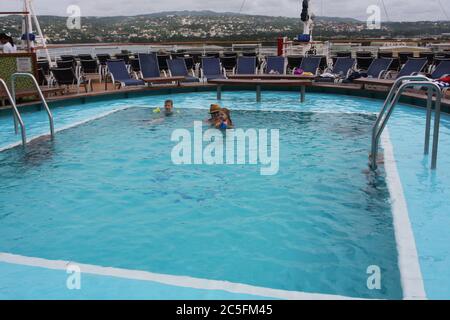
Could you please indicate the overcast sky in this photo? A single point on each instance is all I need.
(397, 10)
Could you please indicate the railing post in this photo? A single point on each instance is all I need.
(428, 121)
(378, 129)
(437, 120)
(41, 96)
(16, 114)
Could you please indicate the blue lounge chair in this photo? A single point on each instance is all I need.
(149, 65)
(177, 68)
(342, 67)
(276, 64)
(211, 69)
(341, 70)
(411, 67)
(119, 74)
(150, 71)
(311, 64)
(442, 69)
(378, 68)
(246, 65)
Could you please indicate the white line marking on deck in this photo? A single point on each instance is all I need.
(180, 281)
(408, 259)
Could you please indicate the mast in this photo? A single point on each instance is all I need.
(27, 27)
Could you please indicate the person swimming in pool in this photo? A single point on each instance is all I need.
(168, 108)
(214, 114)
(224, 121)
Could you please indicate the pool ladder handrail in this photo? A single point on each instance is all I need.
(399, 86)
(41, 96)
(16, 113)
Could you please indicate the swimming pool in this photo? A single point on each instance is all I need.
(106, 193)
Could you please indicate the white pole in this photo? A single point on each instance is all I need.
(39, 30)
(30, 25)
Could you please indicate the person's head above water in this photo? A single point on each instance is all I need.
(214, 111)
(225, 115)
(168, 107)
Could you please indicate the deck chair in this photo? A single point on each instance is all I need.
(211, 69)
(294, 62)
(66, 77)
(246, 65)
(85, 57)
(149, 67)
(341, 70)
(89, 66)
(90, 69)
(177, 68)
(378, 68)
(311, 64)
(412, 66)
(119, 74)
(229, 63)
(275, 64)
(442, 69)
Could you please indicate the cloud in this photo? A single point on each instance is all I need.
(397, 10)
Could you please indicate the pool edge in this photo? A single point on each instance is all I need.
(408, 258)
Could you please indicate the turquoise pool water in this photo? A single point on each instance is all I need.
(107, 193)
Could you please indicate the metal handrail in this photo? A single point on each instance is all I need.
(378, 130)
(41, 96)
(390, 96)
(16, 114)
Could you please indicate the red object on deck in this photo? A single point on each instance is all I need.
(280, 44)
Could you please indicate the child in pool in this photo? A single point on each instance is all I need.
(224, 121)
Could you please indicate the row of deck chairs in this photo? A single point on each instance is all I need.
(120, 74)
(210, 69)
(413, 66)
(380, 68)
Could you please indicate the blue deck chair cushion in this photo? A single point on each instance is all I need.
(378, 66)
(149, 65)
(343, 66)
(310, 64)
(275, 64)
(211, 68)
(120, 73)
(412, 66)
(441, 70)
(178, 68)
(246, 65)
